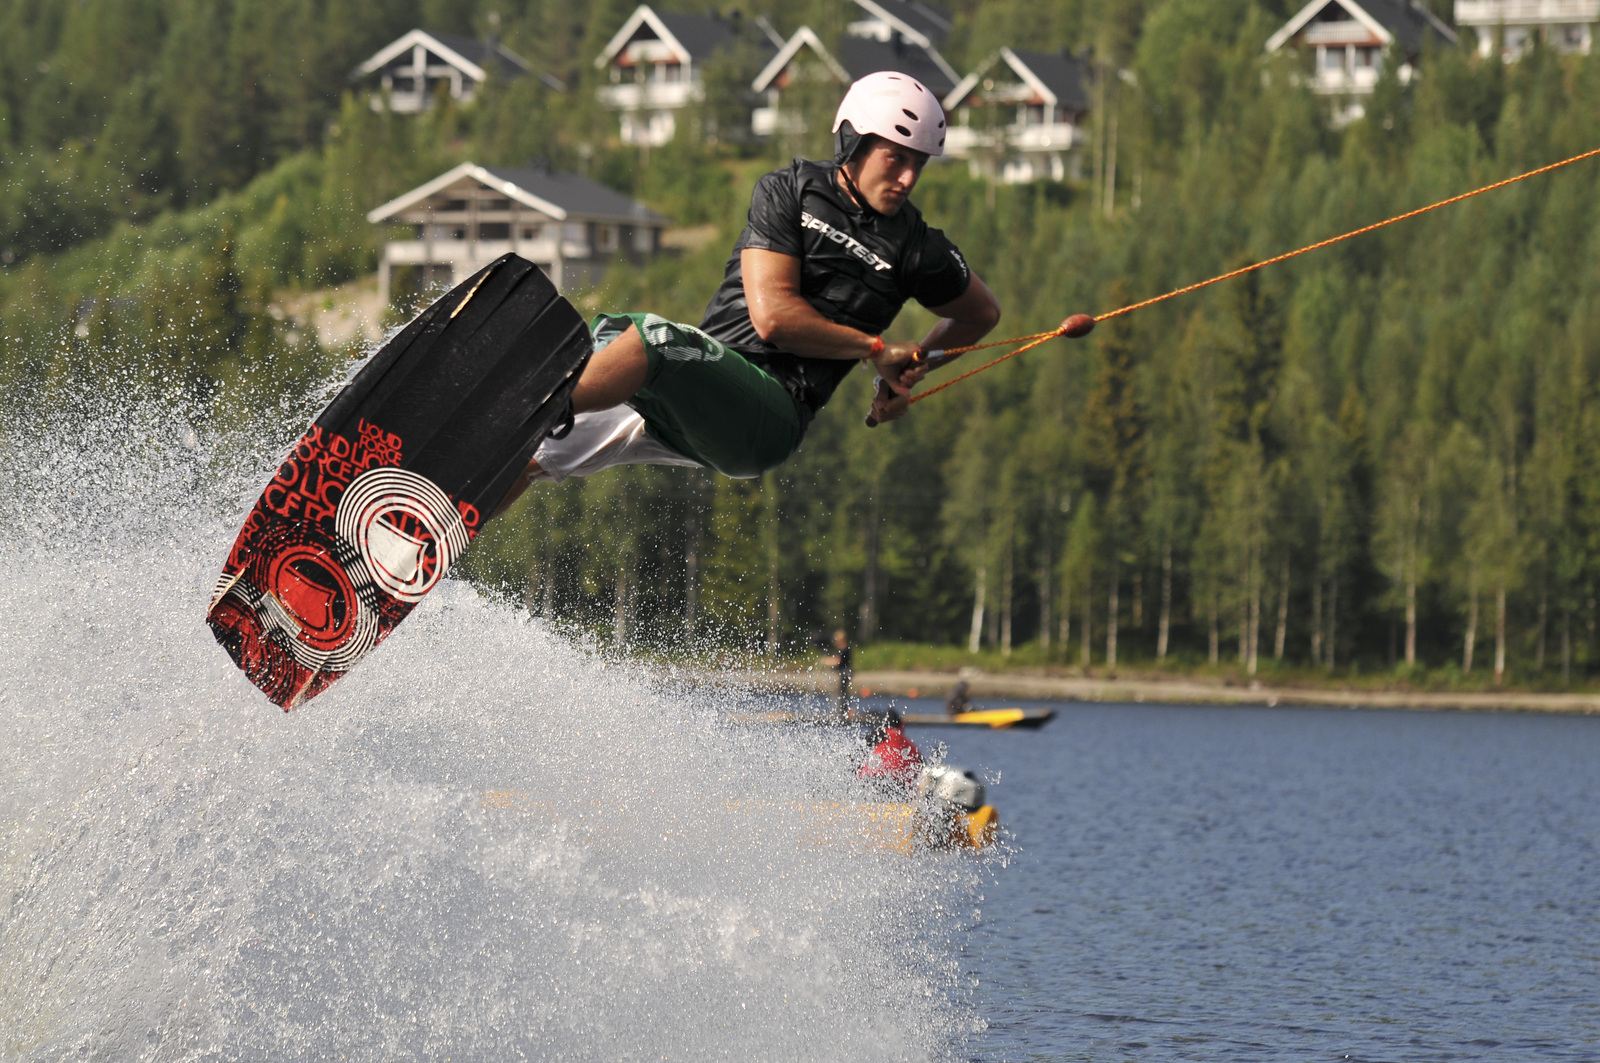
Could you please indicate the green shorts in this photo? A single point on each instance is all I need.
(705, 400)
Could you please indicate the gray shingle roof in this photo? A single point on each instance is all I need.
(501, 60)
(1063, 75)
(578, 194)
(1409, 25)
(702, 35)
(861, 57)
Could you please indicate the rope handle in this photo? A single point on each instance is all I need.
(1074, 327)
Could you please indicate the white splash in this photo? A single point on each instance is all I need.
(188, 873)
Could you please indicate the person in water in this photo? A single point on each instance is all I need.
(830, 253)
(958, 702)
(842, 661)
(894, 761)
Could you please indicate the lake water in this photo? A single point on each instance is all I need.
(1290, 884)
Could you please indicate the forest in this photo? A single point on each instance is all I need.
(1382, 459)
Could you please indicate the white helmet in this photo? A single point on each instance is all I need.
(894, 106)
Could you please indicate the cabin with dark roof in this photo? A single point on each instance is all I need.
(411, 71)
(897, 35)
(1020, 116)
(570, 226)
(655, 67)
(1351, 40)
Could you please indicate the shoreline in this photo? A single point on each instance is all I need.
(928, 684)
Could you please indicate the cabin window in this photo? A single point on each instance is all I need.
(457, 232)
(606, 238)
(453, 205)
(531, 232)
(495, 204)
(1366, 58)
(494, 230)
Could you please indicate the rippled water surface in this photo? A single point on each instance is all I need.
(1291, 884)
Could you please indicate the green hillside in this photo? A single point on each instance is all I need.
(1384, 452)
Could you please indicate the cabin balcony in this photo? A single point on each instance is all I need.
(961, 140)
(1490, 13)
(651, 95)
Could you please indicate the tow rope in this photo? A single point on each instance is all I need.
(1082, 324)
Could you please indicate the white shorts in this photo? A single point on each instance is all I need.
(600, 440)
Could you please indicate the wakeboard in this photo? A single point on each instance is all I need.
(396, 477)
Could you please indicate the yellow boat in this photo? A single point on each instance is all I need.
(998, 719)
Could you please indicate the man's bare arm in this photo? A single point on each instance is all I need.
(782, 316)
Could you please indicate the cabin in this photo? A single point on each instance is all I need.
(1351, 40)
(570, 226)
(896, 35)
(412, 71)
(1021, 116)
(1564, 25)
(655, 67)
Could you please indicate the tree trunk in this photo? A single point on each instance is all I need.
(538, 576)
(1085, 649)
(976, 635)
(1216, 636)
(1332, 650)
(1499, 634)
(1138, 598)
(1163, 626)
(1113, 618)
(1469, 641)
(1544, 604)
(1411, 583)
(548, 605)
(619, 611)
(1008, 579)
(1045, 619)
(1316, 621)
(691, 571)
(1411, 614)
(1282, 635)
(1255, 608)
(774, 602)
(1066, 619)
(867, 622)
(1111, 157)
(1566, 645)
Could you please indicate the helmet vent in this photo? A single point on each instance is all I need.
(902, 130)
(909, 115)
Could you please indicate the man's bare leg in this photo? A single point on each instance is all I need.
(614, 374)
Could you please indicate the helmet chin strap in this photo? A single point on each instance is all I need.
(855, 193)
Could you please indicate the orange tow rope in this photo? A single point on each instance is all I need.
(1081, 324)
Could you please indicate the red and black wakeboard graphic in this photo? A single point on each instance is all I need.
(392, 481)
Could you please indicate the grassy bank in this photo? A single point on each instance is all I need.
(1031, 659)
